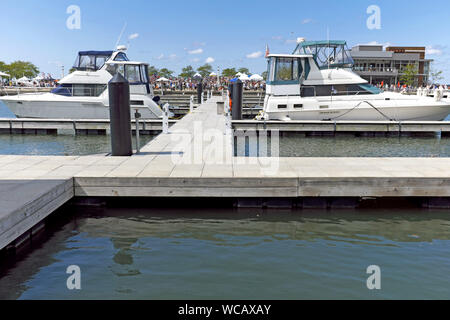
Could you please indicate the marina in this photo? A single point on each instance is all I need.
(251, 181)
(207, 157)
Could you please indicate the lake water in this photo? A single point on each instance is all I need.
(290, 146)
(224, 253)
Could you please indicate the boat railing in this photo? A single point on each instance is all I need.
(17, 91)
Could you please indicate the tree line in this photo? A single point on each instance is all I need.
(204, 70)
(18, 69)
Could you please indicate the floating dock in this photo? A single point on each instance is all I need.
(153, 127)
(195, 159)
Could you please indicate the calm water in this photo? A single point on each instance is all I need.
(227, 254)
(290, 146)
(224, 253)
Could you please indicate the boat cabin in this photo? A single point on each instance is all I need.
(95, 60)
(135, 72)
(301, 75)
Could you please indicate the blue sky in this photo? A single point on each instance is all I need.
(233, 33)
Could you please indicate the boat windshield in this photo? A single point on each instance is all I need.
(134, 73)
(91, 60)
(327, 54)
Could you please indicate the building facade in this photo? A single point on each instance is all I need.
(377, 65)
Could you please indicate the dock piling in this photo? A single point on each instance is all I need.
(237, 94)
(120, 116)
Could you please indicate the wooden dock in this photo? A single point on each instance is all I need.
(195, 159)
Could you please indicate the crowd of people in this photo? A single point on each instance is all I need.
(209, 83)
(410, 89)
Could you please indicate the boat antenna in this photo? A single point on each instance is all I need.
(328, 39)
(120, 36)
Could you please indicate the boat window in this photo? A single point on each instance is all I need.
(144, 73)
(287, 69)
(63, 90)
(100, 62)
(121, 57)
(87, 62)
(80, 90)
(132, 73)
(338, 90)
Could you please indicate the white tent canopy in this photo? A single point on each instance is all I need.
(256, 77)
(23, 79)
(239, 74)
(244, 77)
(2, 74)
(162, 79)
(38, 78)
(213, 74)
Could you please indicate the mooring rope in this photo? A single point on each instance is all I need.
(385, 116)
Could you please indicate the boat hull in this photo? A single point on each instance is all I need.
(42, 107)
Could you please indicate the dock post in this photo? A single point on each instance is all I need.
(199, 91)
(137, 116)
(237, 92)
(165, 125)
(191, 104)
(120, 116)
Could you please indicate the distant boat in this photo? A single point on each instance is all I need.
(83, 94)
(317, 83)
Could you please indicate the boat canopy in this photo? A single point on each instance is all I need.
(92, 60)
(327, 54)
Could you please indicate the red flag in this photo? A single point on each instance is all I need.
(267, 51)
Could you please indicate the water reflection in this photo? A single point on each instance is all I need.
(224, 253)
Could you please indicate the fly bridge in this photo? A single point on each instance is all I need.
(196, 159)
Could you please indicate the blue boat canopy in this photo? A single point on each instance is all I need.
(95, 53)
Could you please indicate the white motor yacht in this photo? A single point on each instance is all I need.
(317, 83)
(83, 94)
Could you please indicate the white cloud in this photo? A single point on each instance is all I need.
(306, 21)
(290, 41)
(254, 55)
(209, 60)
(133, 36)
(160, 57)
(172, 56)
(195, 60)
(430, 50)
(196, 51)
(277, 38)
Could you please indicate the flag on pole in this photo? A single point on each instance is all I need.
(267, 50)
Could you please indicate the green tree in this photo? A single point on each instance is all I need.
(166, 73)
(187, 72)
(3, 66)
(205, 70)
(244, 70)
(229, 72)
(18, 69)
(264, 75)
(409, 75)
(152, 71)
(435, 76)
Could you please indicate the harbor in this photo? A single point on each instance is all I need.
(48, 181)
(217, 160)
